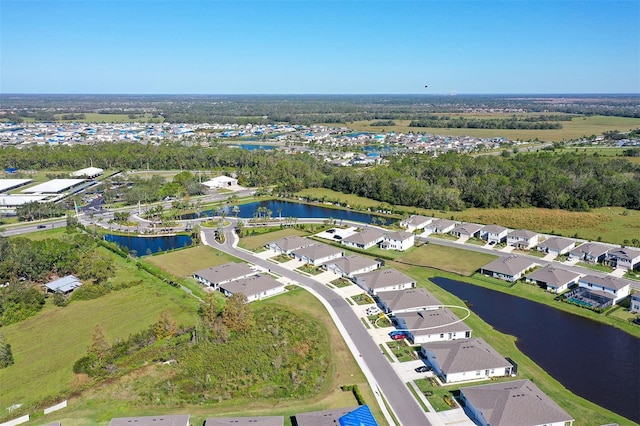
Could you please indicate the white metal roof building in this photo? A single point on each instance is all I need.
(54, 186)
(11, 201)
(89, 172)
(9, 184)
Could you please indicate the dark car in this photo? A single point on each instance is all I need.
(337, 237)
(422, 369)
(41, 226)
(330, 231)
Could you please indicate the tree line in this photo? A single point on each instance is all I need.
(537, 122)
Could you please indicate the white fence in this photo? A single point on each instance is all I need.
(17, 421)
(56, 407)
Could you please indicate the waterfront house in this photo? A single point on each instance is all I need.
(518, 402)
(465, 359)
(508, 268)
(635, 303)
(608, 286)
(412, 299)
(555, 280)
(383, 280)
(435, 325)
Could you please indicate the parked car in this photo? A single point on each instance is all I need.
(398, 336)
(41, 226)
(337, 237)
(330, 231)
(422, 369)
(372, 310)
(491, 243)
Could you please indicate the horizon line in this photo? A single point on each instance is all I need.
(325, 94)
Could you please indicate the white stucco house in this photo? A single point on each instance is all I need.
(556, 245)
(435, 325)
(349, 266)
(635, 303)
(494, 234)
(553, 279)
(465, 359)
(415, 222)
(383, 280)
(624, 258)
(522, 239)
(510, 268)
(609, 286)
(317, 254)
(255, 287)
(398, 240)
(364, 239)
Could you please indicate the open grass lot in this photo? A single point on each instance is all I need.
(183, 263)
(111, 400)
(584, 412)
(452, 259)
(611, 224)
(46, 345)
(578, 127)
(94, 117)
(329, 194)
(258, 241)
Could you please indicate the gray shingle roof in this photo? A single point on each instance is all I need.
(606, 281)
(245, 421)
(494, 229)
(365, 237)
(592, 249)
(398, 235)
(168, 420)
(557, 243)
(226, 272)
(510, 265)
(322, 418)
(522, 233)
(290, 243)
(252, 285)
(625, 253)
(433, 322)
(383, 278)
(519, 402)
(553, 276)
(398, 300)
(352, 263)
(417, 220)
(466, 228)
(458, 356)
(317, 251)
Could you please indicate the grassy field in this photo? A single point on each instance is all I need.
(574, 129)
(584, 412)
(256, 242)
(610, 224)
(46, 345)
(91, 117)
(98, 406)
(460, 261)
(183, 263)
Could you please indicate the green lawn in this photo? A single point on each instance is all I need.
(183, 263)
(46, 345)
(111, 400)
(258, 241)
(452, 259)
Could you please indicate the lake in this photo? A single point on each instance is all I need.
(150, 245)
(596, 361)
(299, 210)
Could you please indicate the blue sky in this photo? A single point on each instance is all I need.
(319, 47)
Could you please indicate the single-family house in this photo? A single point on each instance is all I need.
(469, 230)
(555, 280)
(609, 286)
(495, 234)
(556, 245)
(624, 258)
(317, 253)
(508, 268)
(160, 420)
(353, 416)
(64, 285)
(255, 287)
(364, 239)
(635, 302)
(522, 239)
(321, 418)
(412, 299)
(399, 240)
(221, 182)
(348, 266)
(286, 245)
(590, 252)
(222, 274)
(440, 226)
(465, 359)
(518, 402)
(415, 222)
(383, 280)
(245, 421)
(435, 325)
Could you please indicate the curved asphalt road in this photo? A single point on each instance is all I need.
(402, 401)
